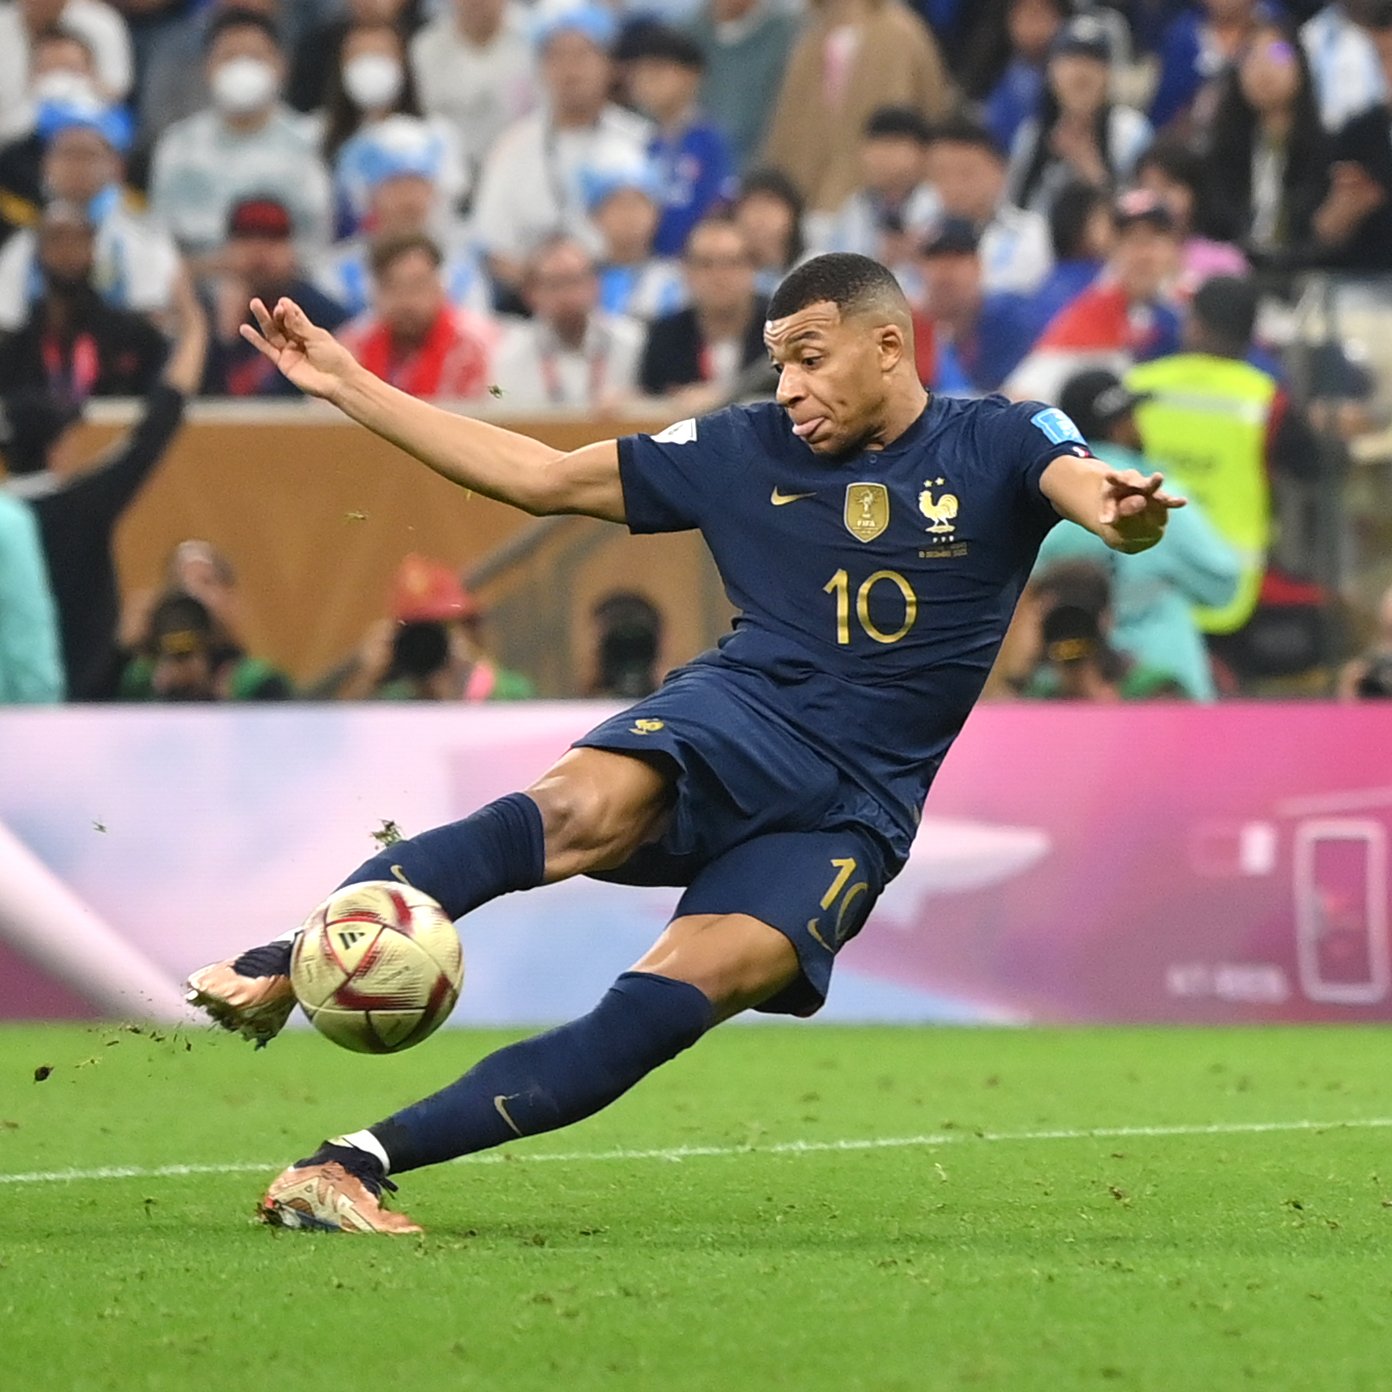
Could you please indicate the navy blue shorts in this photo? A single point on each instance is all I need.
(762, 824)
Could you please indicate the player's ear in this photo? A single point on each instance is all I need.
(892, 346)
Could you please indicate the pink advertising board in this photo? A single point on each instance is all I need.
(1143, 863)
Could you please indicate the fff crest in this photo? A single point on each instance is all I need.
(940, 511)
(867, 510)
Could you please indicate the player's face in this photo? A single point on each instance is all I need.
(831, 377)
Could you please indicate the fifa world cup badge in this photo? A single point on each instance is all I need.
(867, 510)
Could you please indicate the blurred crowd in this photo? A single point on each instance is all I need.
(585, 206)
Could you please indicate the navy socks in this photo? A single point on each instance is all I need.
(465, 864)
(554, 1078)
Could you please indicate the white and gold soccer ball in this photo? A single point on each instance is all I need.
(377, 967)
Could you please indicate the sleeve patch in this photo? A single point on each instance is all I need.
(1056, 427)
(683, 432)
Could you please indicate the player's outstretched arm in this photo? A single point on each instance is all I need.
(1127, 509)
(498, 463)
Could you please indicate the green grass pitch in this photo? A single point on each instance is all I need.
(1165, 1210)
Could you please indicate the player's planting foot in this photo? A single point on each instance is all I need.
(249, 995)
(337, 1189)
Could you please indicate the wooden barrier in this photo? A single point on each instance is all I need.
(317, 513)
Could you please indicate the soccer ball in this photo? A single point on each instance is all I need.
(377, 967)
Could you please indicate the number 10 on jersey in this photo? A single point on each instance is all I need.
(840, 586)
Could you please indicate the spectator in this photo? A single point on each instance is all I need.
(531, 181)
(1369, 676)
(136, 263)
(967, 339)
(769, 211)
(475, 67)
(692, 155)
(185, 656)
(399, 164)
(62, 73)
(1078, 132)
(893, 208)
(1268, 164)
(1177, 175)
(1224, 427)
(175, 81)
(697, 355)
(248, 144)
(1353, 225)
(1005, 66)
(1124, 317)
(261, 261)
(1080, 237)
(570, 353)
(430, 649)
(31, 665)
(1079, 661)
(968, 174)
(317, 51)
(624, 206)
(413, 337)
(99, 27)
(853, 56)
(78, 511)
(369, 86)
(1344, 69)
(628, 643)
(1153, 592)
(746, 45)
(74, 345)
(1200, 47)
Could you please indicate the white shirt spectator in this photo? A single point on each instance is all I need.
(1016, 250)
(1344, 66)
(201, 167)
(480, 89)
(531, 184)
(98, 25)
(534, 368)
(136, 266)
(1128, 135)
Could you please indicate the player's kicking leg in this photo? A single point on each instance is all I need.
(704, 969)
(590, 811)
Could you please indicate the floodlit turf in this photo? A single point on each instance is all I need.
(991, 1259)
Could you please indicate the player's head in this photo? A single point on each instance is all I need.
(840, 334)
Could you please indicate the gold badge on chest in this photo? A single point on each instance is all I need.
(867, 510)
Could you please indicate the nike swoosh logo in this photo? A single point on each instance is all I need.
(500, 1102)
(779, 499)
(400, 874)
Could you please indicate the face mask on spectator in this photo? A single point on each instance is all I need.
(372, 80)
(63, 87)
(242, 85)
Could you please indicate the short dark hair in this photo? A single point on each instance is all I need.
(238, 19)
(1226, 307)
(387, 251)
(843, 278)
(1074, 205)
(664, 44)
(896, 123)
(962, 130)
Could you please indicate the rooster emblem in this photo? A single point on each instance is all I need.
(939, 512)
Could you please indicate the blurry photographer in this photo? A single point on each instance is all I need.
(628, 643)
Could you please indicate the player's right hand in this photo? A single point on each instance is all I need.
(311, 357)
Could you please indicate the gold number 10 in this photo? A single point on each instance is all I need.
(840, 586)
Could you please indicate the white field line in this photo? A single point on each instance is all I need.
(679, 1153)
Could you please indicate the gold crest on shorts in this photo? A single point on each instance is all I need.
(867, 510)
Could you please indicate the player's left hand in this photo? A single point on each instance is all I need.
(1135, 507)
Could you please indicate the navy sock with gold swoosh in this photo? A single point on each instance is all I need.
(499, 848)
(552, 1079)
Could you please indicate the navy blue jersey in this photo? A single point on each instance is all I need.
(874, 590)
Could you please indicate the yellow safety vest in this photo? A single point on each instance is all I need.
(1207, 423)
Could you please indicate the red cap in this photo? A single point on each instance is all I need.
(260, 217)
(428, 591)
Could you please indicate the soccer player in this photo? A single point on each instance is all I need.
(875, 539)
